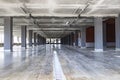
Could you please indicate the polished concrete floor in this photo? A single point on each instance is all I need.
(58, 62)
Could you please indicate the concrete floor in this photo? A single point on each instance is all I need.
(39, 63)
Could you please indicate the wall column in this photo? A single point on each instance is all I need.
(72, 38)
(79, 39)
(76, 38)
(8, 36)
(83, 37)
(50, 40)
(104, 35)
(98, 24)
(30, 38)
(35, 39)
(23, 36)
(117, 31)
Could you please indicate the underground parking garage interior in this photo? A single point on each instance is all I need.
(59, 39)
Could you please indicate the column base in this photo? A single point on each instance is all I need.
(83, 47)
(30, 46)
(98, 50)
(8, 50)
(34, 45)
(23, 48)
(73, 44)
(117, 49)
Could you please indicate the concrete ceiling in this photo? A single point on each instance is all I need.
(56, 18)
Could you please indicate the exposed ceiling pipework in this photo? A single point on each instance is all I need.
(56, 18)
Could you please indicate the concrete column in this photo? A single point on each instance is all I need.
(69, 39)
(104, 35)
(40, 40)
(23, 36)
(35, 39)
(83, 37)
(8, 27)
(63, 40)
(76, 38)
(117, 31)
(50, 40)
(79, 39)
(72, 38)
(30, 37)
(98, 24)
(44, 40)
(56, 41)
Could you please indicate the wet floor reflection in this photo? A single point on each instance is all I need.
(8, 59)
(27, 64)
(36, 63)
(23, 56)
(84, 64)
(99, 56)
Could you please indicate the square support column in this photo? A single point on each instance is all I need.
(98, 24)
(72, 38)
(35, 38)
(104, 35)
(83, 37)
(76, 38)
(8, 33)
(57, 41)
(79, 39)
(30, 37)
(38, 39)
(69, 39)
(50, 40)
(117, 31)
(23, 36)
